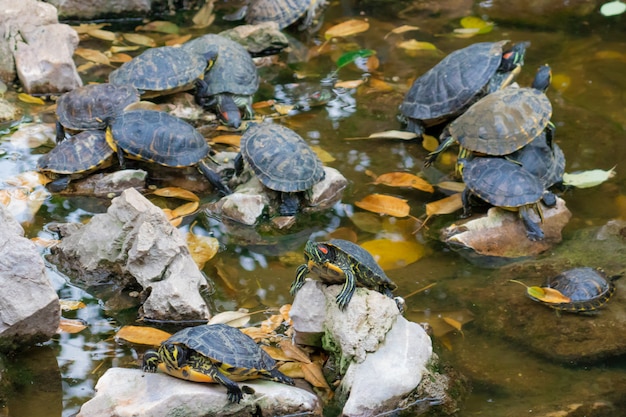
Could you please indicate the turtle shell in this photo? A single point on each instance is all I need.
(283, 12)
(233, 70)
(365, 268)
(501, 183)
(162, 70)
(453, 84)
(545, 162)
(155, 136)
(227, 346)
(503, 121)
(280, 158)
(81, 153)
(91, 106)
(587, 288)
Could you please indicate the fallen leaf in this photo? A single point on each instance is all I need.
(138, 39)
(384, 204)
(473, 22)
(347, 28)
(185, 209)
(177, 40)
(430, 143)
(123, 48)
(292, 369)
(27, 98)
(283, 109)
(271, 323)
(293, 352)
(71, 305)
(446, 205)
(415, 45)
(455, 186)
(44, 243)
(205, 16)
(457, 325)
(379, 85)
(202, 248)
(393, 254)
(401, 29)
(350, 57)
(233, 318)
(176, 192)
(28, 179)
(367, 222)
(276, 353)
(389, 134)
(142, 335)
(313, 375)
(284, 311)
(547, 295)
(71, 326)
(404, 179)
(105, 35)
(88, 27)
(349, 84)
(587, 179)
(92, 55)
(160, 26)
(322, 154)
(347, 233)
(231, 140)
(120, 58)
(255, 333)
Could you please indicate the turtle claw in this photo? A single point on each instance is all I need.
(235, 395)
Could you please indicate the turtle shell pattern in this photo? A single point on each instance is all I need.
(280, 158)
(501, 183)
(233, 70)
(538, 158)
(82, 152)
(588, 289)
(226, 345)
(161, 70)
(155, 136)
(452, 84)
(503, 121)
(365, 268)
(91, 106)
(283, 12)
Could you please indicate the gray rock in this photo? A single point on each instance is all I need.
(29, 306)
(133, 243)
(258, 39)
(131, 392)
(8, 111)
(327, 192)
(89, 9)
(103, 185)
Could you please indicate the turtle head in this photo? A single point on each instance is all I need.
(173, 356)
(150, 361)
(514, 57)
(227, 111)
(318, 252)
(543, 77)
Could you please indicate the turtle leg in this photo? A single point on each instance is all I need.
(289, 204)
(467, 204)
(277, 376)
(533, 230)
(432, 157)
(299, 281)
(60, 132)
(414, 126)
(549, 199)
(206, 367)
(201, 95)
(349, 286)
(213, 177)
(59, 184)
(150, 361)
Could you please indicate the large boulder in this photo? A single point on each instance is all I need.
(134, 244)
(29, 306)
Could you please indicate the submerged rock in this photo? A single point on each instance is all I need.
(131, 392)
(131, 245)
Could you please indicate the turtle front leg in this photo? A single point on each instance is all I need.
(203, 366)
(214, 178)
(150, 361)
(301, 273)
(349, 286)
(533, 230)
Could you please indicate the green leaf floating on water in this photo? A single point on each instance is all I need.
(587, 179)
(351, 56)
(473, 22)
(613, 8)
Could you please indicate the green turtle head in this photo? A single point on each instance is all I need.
(318, 252)
(173, 355)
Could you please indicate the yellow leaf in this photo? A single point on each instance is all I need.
(92, 55)
(71, 326)
(284, 311)
(547, 295)
(105, 35)
(205, 16)
(123, 48)
(44, 243)
(271, 323)
(379, 85)
(347, 233)
(27, 98)
(322, 154)
(389, 134)
(86, 66)
(473, 22)
(175, 192)
(292, 369)
(347, 28)
(120, 58)
(256, 333)
(454, 323)
(138, 39)
(178, 40)
(71, 305)
(313, 375)
(142, 335)
(233, 318)
(232, 140)
(402, 29)
(392, 254)
(415, 45)
(587, 179)
(404, 179)
(368, 222)
(185, 209)
(446, 205)
(161, 26)
(465, 33)
(283, 109)
(202, 248)
(430, 143)
(384, 204)
(276, 353)
(88, 27)
(293, 352)
(349, 84)
(457, 187)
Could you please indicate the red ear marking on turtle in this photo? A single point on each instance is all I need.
(323, 249)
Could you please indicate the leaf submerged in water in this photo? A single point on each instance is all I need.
(587, 179)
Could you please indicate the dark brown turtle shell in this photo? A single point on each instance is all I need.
(81, 153)
(283, 12)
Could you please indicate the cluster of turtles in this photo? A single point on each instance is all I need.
(508, 157)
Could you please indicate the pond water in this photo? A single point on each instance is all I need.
(588, 57)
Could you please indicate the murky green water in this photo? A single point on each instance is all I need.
(55, 379)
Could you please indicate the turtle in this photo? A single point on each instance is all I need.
(156, 136)
(587, 288)
(232, 81)
(92, 106)
(75, 157)
(283, 12)
(162, 70)
(542, 160)
(339, 261)
(459, 80)
(214, 353)
(502, 122)
(281, 160)
(506, 184)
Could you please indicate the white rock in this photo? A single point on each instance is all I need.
(243, 208)
(130, 392)
(327, 192)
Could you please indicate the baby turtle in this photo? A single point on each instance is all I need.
(214, 353)
(340, 261)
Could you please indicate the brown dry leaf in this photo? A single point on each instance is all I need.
(415, 45)
(389, 134)
(142, 335)
(186, 209)
(276, 353)
(454, 323)
(271, 323)
(404, 179)
(71, 326)
(294, 352)
(105, 35)
(123, 48)
(347, 28)
(27, 98)
(202, 248)
(177, 40)
(161, 26)
(120, 58)
(446, 342)
(92, 55)
(263, 104)
(349, 84)
(379, 85)
(176, 192)
(455, 186)
(283, 109)
(384, 204)
(368, 222)
(44, 243)
(392, 254)
(255, 333)
(138, 39)
(548, 295)
(226, 274)
(292, 369)
(88, 27)
(284, 311)
(231, 140)
(322, 154)
(430, 143)
(205, 16)
(313, 375)
(402, 29)
(86, 66)
(347, 233)
(233, 318)
(446, 205)
(71, 305)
